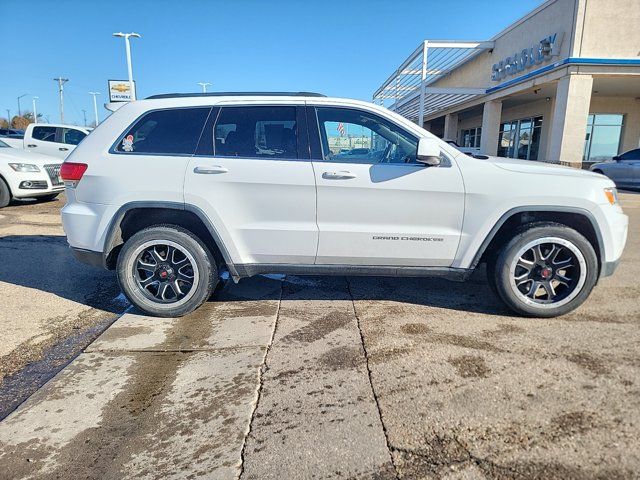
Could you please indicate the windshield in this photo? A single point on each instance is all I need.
(3, 145)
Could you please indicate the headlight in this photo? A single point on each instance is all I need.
(612, 195)
(24, 167)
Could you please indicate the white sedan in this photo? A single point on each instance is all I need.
(25, 174)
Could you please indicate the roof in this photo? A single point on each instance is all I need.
(236, 94)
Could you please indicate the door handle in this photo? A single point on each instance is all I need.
(63, 149)
(31, 145)
(213, 169)
(344, 175)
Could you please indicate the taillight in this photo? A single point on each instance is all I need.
(72, 172)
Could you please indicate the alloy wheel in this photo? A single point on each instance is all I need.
(165, 272)
(548, 272)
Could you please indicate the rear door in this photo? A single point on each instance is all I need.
(253, 179)
(376, 204)
(43, 139)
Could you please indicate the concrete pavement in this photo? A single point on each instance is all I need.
(307, 377)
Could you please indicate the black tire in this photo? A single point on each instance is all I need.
(47, 198)
(189, 248)
(580, 277)
(5, 194)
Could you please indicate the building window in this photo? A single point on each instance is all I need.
(520, 138)
(603, 137)
(471, 137)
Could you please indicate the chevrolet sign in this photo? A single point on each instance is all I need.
(120, 91)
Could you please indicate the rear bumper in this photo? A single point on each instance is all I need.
(88, 256)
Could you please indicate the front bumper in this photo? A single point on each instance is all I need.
(36, 184)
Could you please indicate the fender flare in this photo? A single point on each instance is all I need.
(540, 208)
(113, 231)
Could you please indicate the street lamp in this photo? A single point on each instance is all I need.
(95, 105)
(204, 86)
(126, 37)
(35, 112)
(23, 95)
(61, 81)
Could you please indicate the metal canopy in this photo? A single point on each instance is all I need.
(406, 91)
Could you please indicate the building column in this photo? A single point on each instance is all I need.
(570, 115)
(451, 126)
(491, 116)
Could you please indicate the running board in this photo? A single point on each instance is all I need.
(251, 269)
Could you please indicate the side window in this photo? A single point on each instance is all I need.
(46, 134)
(71, 136)
(165, 132)
(631, 155)
(355, 136)
(256, 132)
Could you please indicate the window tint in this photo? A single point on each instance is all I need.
(256, 132)
(71, 136)
(354, 136)
(166, 132)
(631, 155)
(46, 134)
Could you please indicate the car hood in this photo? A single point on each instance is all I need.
(24, 156)
(529, 166)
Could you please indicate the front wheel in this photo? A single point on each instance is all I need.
(166, 271)
(5, 194)
(545, 271)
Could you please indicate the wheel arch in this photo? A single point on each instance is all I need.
(134, 216)
(579, 219)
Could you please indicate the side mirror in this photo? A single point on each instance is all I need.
(428, 152)
(616, 158)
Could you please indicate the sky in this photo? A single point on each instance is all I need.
(337, 47)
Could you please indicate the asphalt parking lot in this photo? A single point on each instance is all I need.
(312, 377)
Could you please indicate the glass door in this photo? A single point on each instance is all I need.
(520, 138)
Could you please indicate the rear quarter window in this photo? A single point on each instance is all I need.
(169, 132)
(46, 134)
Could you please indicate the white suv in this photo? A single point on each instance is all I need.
(171, 190)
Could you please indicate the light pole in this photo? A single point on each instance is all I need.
(19, 111)
(35, 112)
(61, 81)
(126, 37)
(95, 106)
(204, 86)
(8, 118)
(84, 114)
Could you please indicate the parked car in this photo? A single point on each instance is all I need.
(11, 133)
(172, 190)
(50, 139)
(28, 175)
(623, 169)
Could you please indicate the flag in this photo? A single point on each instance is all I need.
(341, 129)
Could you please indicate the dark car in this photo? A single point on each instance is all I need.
(623, 169)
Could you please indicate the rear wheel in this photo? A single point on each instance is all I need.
(5, 194)
(545, 271)
(166, 271)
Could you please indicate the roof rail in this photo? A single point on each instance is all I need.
(236, 94)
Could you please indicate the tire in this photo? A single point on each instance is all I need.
(154, 260)
(47, 198)
(565, 275)
(5, 194)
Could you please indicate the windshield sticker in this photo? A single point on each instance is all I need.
(127, 143)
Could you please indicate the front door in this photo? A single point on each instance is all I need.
(44, 140)
(254, 181)
(376, 204)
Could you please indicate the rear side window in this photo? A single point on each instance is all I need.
(71, 136)
(46, 134)
(165, 132)
(256, 132)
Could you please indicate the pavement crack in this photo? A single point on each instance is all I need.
(263, 369)
(370, 376)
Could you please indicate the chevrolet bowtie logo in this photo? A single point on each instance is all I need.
(121, 87)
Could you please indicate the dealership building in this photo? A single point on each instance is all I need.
(562, 84)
